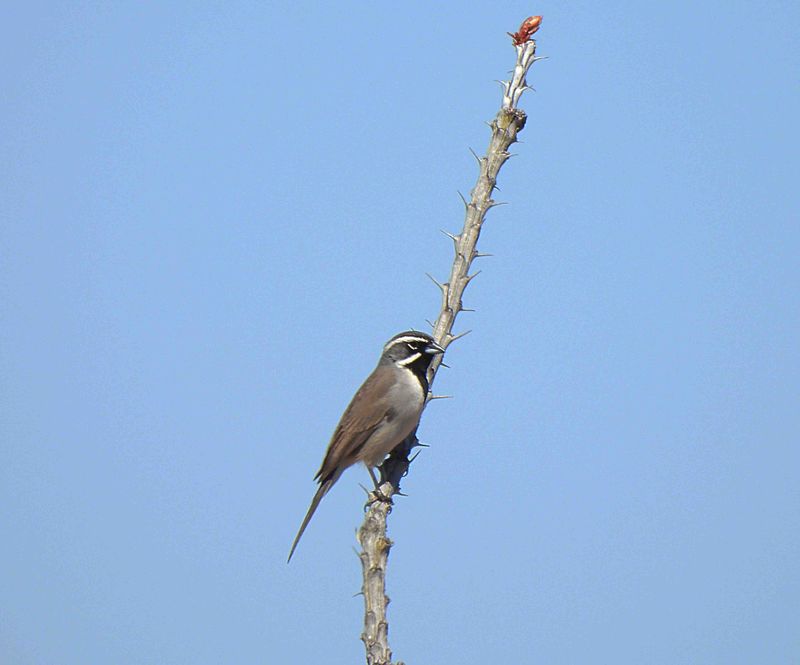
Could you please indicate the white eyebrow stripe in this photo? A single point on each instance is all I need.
(406, 339)
(410, 359)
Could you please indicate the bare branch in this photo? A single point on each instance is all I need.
(375, 545)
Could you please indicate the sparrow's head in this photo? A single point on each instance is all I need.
(411, 349)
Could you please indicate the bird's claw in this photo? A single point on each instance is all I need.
(377, 496)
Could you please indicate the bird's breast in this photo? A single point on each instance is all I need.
(406, 399)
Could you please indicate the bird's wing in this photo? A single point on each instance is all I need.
(357, 424)
(353, 431)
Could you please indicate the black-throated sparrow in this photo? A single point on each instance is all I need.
(384, 411)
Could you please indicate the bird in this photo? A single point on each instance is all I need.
(384, 411)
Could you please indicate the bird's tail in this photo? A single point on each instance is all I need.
(322, 491)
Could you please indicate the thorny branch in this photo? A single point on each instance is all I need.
(375, 544)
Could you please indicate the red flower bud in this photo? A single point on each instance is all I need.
(528, 27)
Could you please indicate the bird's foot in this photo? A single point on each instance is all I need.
(377, 496)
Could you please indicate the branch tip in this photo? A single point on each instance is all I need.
(529, 26)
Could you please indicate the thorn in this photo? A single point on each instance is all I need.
(469, 278)
(366, 491)
(432, 397)
(454, 338)
(444, 365)
(422, 445)
(443, 287)
(416, 454)
(463, 200)
(475, 155)
(429, 323)
(450, 235)
(494, 204)
(463, 309)
(358, 593)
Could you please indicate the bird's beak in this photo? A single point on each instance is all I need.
(433, 349)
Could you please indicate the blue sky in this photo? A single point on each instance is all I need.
(212, 215)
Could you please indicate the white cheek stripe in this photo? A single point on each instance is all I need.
(409, 360)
